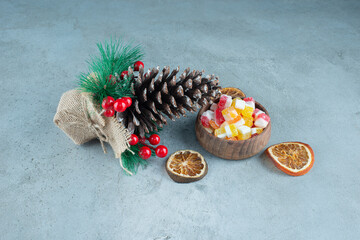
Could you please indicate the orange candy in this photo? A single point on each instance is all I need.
(213, 124)
(238, 118)
(231, 138)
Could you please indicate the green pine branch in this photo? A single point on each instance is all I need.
(115, 57)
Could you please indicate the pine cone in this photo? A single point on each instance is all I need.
(158, 94)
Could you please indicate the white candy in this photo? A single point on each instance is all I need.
(244, 129)
(261, 123)
(228, 102)
(209, 114)
(239, 123)
(228, 131)
(250, 104)
(239, 104)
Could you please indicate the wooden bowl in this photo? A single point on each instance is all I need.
(230, 149)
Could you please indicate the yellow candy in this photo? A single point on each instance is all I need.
(229, 113)
(248, 111)
(249, 121)
(244, 132)
(231, 130)
(256, 130)
(220, 132)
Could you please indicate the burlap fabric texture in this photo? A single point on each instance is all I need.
(82, 121)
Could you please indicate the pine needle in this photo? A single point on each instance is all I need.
(115, 57)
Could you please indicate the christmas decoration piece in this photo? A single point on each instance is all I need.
(123, 74)
(161, 151)
(293, 158)
(115, 57)
(120, 105)
(233, 119)
(134, 139)
(109, 112)
(81, 120)
(137, 65)
(128, 101)
(108, 102)
(161, 93)
(137, 101)
(186, 166)
(145, 152)
(154, 139)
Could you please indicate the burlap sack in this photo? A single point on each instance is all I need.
(82, 121)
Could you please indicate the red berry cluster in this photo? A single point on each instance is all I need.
(110, 105)
(136, 68)
(145, 151)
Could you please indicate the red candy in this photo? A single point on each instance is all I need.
(205, 121)
(249, 99)
(219, 119)
(224, 102)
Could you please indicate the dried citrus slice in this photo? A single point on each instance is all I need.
(293, 158)
(186, 166)
(233, 92)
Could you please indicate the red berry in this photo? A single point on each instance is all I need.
(134, 139)
(120, 105)
(128, 101)
(109, 112)
(161, 151)
(154, 139)
(123, 74)
(145, 152)
(137, 65)
(107, 102)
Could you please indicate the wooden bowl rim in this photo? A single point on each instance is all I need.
(203, 109)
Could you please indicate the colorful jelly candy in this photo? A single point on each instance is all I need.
(249, 121)
(238, 103)
(238, 118)
(224, 102)
(213, 124)
(250, 101)
(244, 132)
(206, 117)
(256, 131)
(240, 123)
(231, 130)
(256, 113)
(248, 111)
(220, 132)
(219, 119)
(229, 113)
(262, 120)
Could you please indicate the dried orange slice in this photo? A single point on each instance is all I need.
(233, 92)
(293, 158)
(186, 166)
